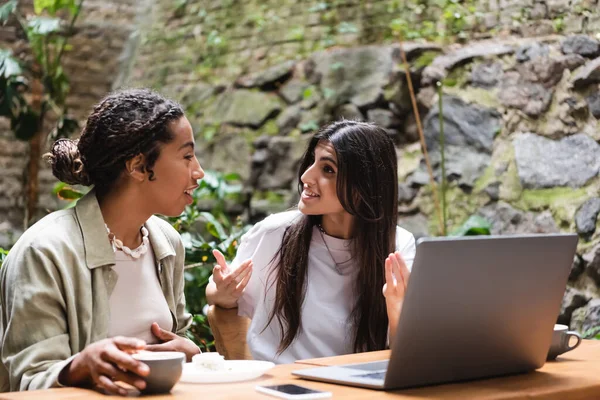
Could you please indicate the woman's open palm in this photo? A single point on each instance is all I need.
(396, 282)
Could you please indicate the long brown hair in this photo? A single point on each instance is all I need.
(367, 187)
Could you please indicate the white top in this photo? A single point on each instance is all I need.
(137, 299)
(326, 330)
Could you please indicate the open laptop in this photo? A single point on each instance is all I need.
(475, 307)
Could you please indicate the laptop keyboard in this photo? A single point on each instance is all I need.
(370, 366)
(374, 375)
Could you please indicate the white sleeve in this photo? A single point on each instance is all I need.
(405, 244)
(260, 244)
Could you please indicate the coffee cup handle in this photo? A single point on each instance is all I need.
(573, 334)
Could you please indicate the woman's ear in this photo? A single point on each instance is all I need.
(136, 168)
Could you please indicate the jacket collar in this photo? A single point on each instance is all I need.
(98, 250)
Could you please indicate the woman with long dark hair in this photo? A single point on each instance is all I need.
(312, 278)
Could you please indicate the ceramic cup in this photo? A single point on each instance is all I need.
(165, 369)
(561, 341)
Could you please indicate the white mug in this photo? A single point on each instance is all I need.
(561, 339)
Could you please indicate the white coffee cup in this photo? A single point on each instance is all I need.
(561, 341)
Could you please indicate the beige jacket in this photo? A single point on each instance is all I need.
(55, 286)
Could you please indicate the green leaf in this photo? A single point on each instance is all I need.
(475, 225)
(6, 10)
(68, 193)
(43, 26)
(9, 65)
(53, 6)
(213, 226)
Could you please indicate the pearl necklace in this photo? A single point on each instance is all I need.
(118, 244)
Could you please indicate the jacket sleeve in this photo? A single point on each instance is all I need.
(35, 342)
(184, 318)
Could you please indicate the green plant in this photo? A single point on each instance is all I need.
(33, 90)
(592, 333)
(473, 226)
(3, 254)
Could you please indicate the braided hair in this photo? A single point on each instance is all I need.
(123, 125)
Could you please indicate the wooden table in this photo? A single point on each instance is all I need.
(575, 375)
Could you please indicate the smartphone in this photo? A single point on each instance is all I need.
(289, 391)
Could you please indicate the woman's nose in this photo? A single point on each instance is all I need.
(198, 172)
(308, 176)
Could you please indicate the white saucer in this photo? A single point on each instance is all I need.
(234, 371)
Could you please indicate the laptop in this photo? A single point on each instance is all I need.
(475, 307)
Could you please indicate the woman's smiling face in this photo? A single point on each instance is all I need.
(176, 172)
(319, 194)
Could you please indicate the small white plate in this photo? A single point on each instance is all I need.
(234, 371)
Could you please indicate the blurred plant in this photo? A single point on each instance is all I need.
(592, 333)
(33, 89)
(68, 193)
(3, 254)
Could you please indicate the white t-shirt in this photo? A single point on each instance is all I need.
(137, 299)
(326, 330)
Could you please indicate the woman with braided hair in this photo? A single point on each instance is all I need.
(85, 287)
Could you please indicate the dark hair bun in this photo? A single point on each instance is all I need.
(66, 163)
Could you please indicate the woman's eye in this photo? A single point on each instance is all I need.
(328, 170)
(189, 157)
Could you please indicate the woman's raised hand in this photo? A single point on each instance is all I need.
(394, 289)
(230, 284)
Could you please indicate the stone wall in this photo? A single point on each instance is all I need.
(218, 40)
(102, 33)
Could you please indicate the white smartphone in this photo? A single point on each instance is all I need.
(289, 391)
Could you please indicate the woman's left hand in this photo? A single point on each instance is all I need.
(396, 282)
(170, 341)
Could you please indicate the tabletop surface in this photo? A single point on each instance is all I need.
(574, 375)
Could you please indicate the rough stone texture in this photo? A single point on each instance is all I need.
(577, 268)
(244, 108)
(546, 163)
(572, 300)
(532, 98)
(532, 51)
(593, 102)
(416, 224)
(444, 63)
(289, 119)
(507, 220)
(544, 70)
(586, 317)
(588, 75)
(355, 75)
(592, 259)
(464, 125)
(268, 78)
(348, 111)
(582, 45)
(292, 92)
(486, 75)
(383, 118)
(586, 216)
(280, 169)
